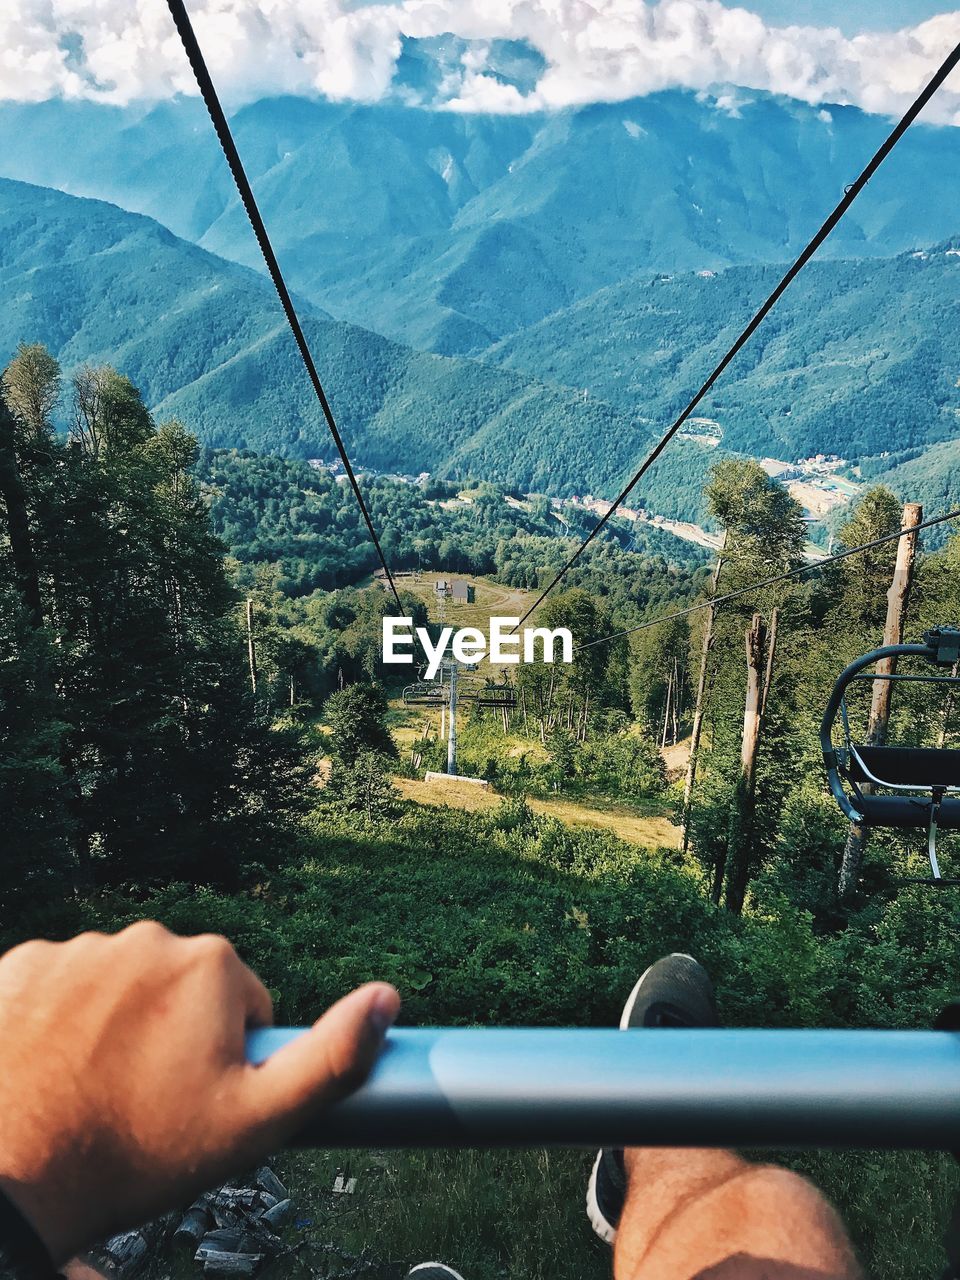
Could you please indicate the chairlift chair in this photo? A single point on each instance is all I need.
(426, 693)
(896, 786)
(492, 695)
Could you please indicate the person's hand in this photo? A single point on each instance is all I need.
(124, 1090)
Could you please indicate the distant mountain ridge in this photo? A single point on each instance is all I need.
(451, 232)
(858, 359)
(205, 339)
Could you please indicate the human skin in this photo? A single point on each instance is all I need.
(710, 1215)
(124, 1091)
(124, 1088)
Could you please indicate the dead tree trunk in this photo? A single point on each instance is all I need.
(666, 712)
(760, 649)
(897, 599)
(251, 647)
(676, 701)
(699, 706)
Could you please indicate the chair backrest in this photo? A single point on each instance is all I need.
(925, 767)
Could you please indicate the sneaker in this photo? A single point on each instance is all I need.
(673, 992)
(433, 1271)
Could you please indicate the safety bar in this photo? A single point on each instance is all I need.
(669, 1087)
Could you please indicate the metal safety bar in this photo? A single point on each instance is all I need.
(670, 1087)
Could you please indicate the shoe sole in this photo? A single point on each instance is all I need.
(439, 1266)
(601, 1226)
(605, 1230)
(634, 994)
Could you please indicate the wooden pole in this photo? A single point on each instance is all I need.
(699, 706)
(740, 842)
(676, 700)
(898, 598)
(251, 646)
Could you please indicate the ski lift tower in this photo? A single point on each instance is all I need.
(450, 674)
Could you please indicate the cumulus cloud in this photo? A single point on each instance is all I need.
(593, 50)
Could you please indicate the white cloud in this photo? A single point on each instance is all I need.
(594, 50)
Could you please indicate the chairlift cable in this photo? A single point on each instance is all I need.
(849, 195)
(212, 102)
(714, 601)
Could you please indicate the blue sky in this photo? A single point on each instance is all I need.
(869, 53)
(852, 16)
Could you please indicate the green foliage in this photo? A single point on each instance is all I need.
(357, 718)
(514, 919)
(37, 826)
(362, 784)
(282, 512)
(166, 765)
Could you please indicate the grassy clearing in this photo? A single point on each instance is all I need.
(496, 918)
(493, 599)
(652, 829)
(520, 1213)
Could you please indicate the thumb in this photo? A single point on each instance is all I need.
(328, 1062)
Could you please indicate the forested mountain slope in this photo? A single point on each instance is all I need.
(859, 358)
(451, 230)
(206, 339)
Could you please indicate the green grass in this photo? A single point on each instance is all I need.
(486, 1213)
(507, 918)
(521, 1213)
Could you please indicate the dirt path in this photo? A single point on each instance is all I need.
(653, 832)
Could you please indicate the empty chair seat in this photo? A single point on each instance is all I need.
(908, 811)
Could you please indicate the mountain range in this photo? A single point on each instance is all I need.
(450, 231)
(523, 298)
(205, 340)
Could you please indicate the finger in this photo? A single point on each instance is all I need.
(257, 1001)
(326, 1063)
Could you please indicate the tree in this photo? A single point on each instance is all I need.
(866, 577)
(357, 718)
(36, 821)
(166, 767)
(763, 534)
(363, 784)
(31, 388)
(764, 525)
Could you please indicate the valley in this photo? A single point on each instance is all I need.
(859, 360)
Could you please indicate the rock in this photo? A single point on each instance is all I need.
(268, 1181)
(232, 1264)
(278, 1215)
(193, 1226)
(236, 1198)
(224, 1240)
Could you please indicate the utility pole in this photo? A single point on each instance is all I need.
(897, 599)
(666, 712)
(760, 648)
